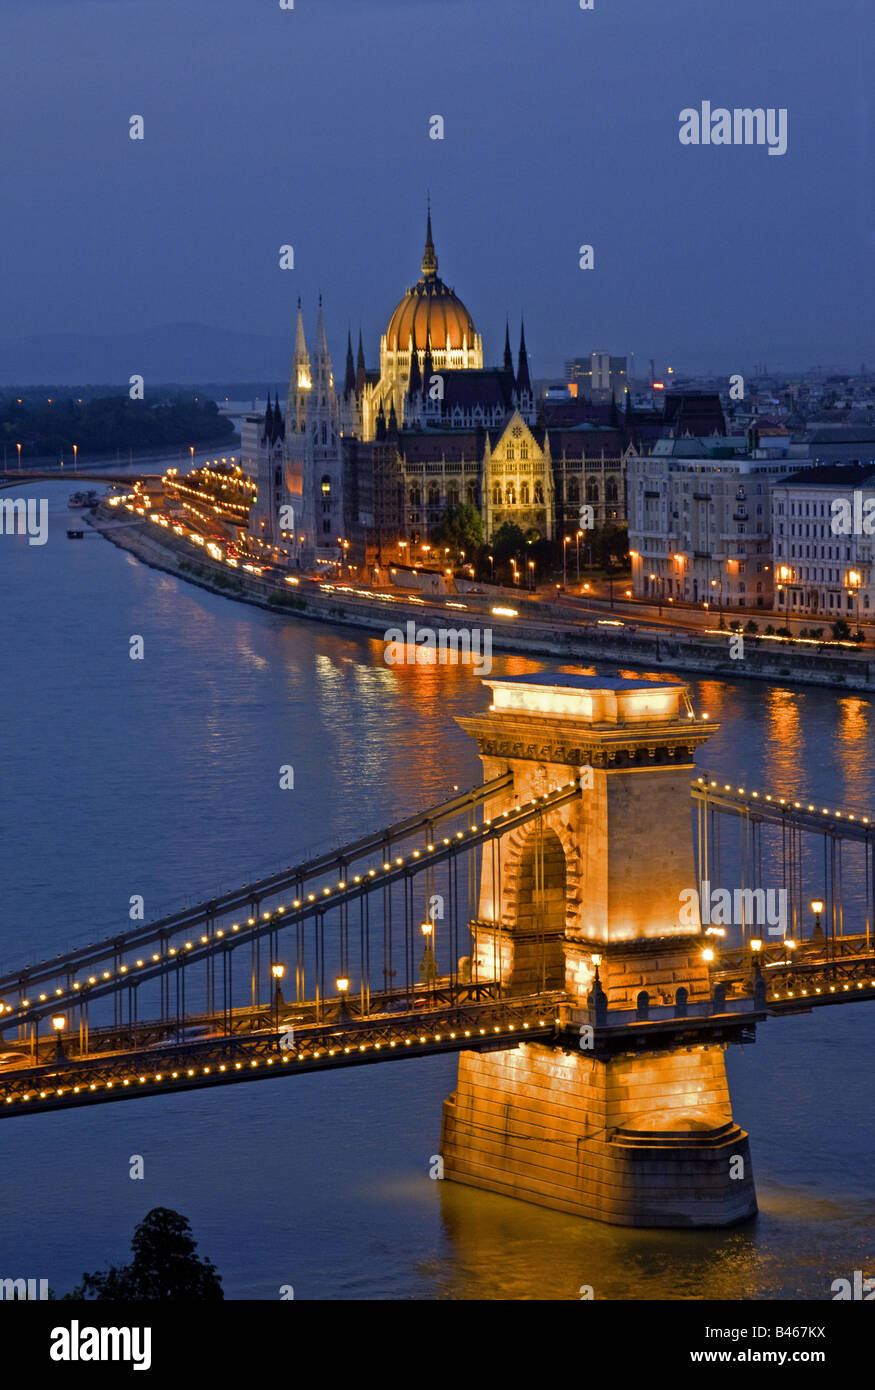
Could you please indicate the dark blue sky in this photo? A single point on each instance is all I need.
(266, 126)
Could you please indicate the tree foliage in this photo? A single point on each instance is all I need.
(164, 1266)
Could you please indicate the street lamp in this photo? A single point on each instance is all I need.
(342, 983)
(532, 575)
(277, 971)
(59, 1023)
(75, 456)
(428, 964)
(579, 534)
(565, 541)
(191, 451)
(18, 447)
(816, 906)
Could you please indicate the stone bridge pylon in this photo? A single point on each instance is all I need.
(585, 899)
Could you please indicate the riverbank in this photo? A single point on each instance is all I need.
(550, 633)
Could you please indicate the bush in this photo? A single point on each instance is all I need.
(783, 632)
(770, 631)
(841, 631)
(751, 626)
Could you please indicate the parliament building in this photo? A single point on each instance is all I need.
(363, 466)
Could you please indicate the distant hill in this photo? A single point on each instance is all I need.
(186, 353)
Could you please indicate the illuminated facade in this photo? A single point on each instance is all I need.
(823, 526)
(586, 901)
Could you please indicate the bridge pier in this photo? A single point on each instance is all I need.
(637, 1141)
(636, 1137)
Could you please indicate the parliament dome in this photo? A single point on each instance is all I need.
(430, 310)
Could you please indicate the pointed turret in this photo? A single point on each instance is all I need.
(392, 428)
(508, 355)
(300, 339)
(361, 371)
(614, 415)
(349, 377)
(523, 380)
(414, 384)
(429, 256)
(279, 424)
(427, 362)
(321, 340)
(267, 434)
(381, 423)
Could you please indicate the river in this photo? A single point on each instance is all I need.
(159, 777)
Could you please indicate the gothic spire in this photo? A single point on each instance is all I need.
(300, 339)
(523, 380)
(427, 363)
(381, 423)
(429, 258)
(267, 436)
(321, 340)
(279, 424)
(414, 385)
(508, 355)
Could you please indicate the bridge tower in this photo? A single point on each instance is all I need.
(585, 900)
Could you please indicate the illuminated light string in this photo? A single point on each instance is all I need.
(783, 801)
(311, 897)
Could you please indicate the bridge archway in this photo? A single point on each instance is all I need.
(536, 910)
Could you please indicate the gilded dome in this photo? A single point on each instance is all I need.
(430, 309)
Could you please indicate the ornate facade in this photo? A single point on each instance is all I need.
(384, 458)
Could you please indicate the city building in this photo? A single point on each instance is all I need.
(822, 551)
(700, 523)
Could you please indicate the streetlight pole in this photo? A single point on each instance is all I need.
(277, 971)
(565, 540)
(579, 534)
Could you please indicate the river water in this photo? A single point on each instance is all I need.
(159, 777)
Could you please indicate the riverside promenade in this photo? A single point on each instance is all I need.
(524, 626)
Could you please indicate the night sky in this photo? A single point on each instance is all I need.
(265, 126)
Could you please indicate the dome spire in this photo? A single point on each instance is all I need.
(429, 258)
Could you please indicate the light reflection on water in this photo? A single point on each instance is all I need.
(161, 778)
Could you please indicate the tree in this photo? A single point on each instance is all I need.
(507, 541)
(164, 1266)
(461, 528)
(841, 630)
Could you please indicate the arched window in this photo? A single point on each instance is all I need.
(573, 490)
(326, 484)
(524, 449)
(434, 495)
(324, 433)
(509, 452)
(415, 495)
(496, 496)
(539, 494)
(592, 490)
(511, 495)
(472, 494)
(524, 494)
(611, 494)
(452, 497)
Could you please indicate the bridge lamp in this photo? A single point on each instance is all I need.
(59, 1023)
(707, 954)
(816, 906)
(756, 943)
(277, 971)
(426, 928)
(789, 945)
(342, 983)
